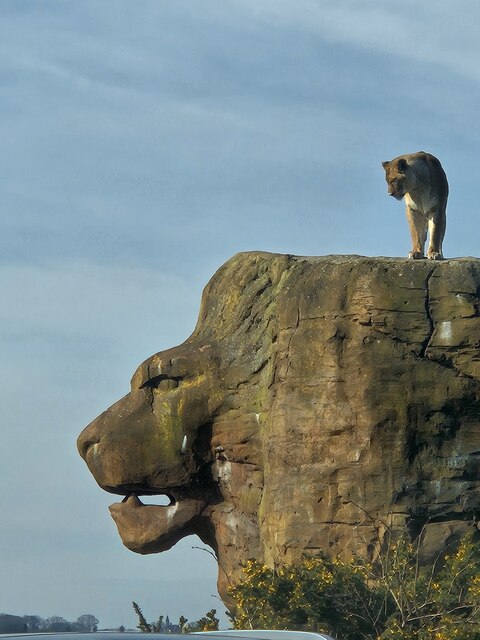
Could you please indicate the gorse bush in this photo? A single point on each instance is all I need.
(319, 594)
(209, 622)
(143, 625)
(395, 598)
(438, 602)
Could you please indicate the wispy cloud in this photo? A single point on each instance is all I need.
(75, 302)
(447, 36)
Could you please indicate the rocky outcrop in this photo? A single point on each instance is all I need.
(315, 395)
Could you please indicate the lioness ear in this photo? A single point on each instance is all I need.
(385, 164)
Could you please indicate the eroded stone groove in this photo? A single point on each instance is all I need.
(428, 311)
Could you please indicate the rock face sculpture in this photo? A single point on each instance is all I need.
(314, 395)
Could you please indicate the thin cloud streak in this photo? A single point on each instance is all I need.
(447, 36)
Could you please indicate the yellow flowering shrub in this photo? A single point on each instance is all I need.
(319, 594)
(394, 599)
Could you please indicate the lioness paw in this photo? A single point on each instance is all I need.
(416, 255)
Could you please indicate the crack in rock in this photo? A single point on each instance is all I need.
(428, 311)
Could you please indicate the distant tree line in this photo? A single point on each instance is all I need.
(36, 624)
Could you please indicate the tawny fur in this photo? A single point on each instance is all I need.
(420, 179)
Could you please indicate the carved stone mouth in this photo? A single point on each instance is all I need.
(162, 499)
(146, 528)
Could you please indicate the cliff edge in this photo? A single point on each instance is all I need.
(315, 394)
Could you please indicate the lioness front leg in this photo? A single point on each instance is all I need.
(418, 231)
(437, 225)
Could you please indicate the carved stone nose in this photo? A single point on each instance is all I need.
(89, 436)
(85, 441)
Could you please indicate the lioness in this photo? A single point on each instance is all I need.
(421, 180)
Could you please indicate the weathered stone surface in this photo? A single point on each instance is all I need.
(313, 395)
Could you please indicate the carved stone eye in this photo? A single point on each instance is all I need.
(162, 383)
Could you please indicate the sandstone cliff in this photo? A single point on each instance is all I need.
(313, 395)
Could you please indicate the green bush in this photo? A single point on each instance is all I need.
(319, 594)
(394, 599)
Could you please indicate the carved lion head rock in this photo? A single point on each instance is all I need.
(314, 395)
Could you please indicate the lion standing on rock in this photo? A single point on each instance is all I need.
(421, 180)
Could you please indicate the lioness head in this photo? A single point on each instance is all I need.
(399, 178)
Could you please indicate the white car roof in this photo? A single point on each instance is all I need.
(268, 634)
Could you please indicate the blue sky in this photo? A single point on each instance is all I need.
(144, 143)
